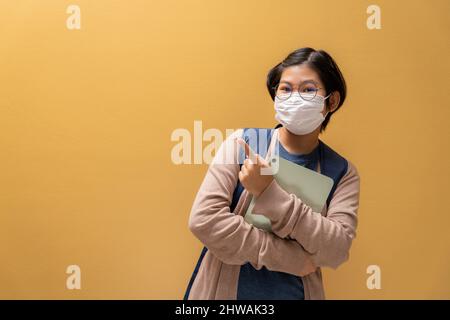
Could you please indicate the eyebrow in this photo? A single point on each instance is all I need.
(307, 80)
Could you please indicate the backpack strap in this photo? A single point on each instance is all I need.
(332, 165)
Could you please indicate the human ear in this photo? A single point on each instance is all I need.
(333, 101)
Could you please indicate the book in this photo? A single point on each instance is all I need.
(308, 185)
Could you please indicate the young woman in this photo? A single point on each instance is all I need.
(241, 261)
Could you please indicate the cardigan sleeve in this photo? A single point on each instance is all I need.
(328, 238)
(227, 235)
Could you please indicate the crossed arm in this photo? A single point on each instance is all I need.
(327, 238)
(234, 241)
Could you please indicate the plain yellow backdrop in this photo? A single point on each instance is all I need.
(86, 118)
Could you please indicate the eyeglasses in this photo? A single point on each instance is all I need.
(307, 90)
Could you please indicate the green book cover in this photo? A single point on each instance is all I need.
(308, 185)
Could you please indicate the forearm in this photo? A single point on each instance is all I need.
(234, 241)
(327, 238)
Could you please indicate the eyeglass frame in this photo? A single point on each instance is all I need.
(275, 88)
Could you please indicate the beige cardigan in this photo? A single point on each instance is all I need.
(302, 241)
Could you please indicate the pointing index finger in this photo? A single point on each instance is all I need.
(249, 153)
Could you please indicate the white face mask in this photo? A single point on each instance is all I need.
(300, 116)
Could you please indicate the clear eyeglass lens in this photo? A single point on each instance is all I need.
(308, 96)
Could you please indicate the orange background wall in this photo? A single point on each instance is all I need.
(86, 118)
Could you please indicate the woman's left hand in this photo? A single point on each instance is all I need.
(250, 174)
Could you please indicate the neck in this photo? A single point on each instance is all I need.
(300, 144)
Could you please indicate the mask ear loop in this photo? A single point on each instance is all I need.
(325, 98)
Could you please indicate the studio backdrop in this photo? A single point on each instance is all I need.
(96, 95)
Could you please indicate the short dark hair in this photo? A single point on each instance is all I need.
(321, 62)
